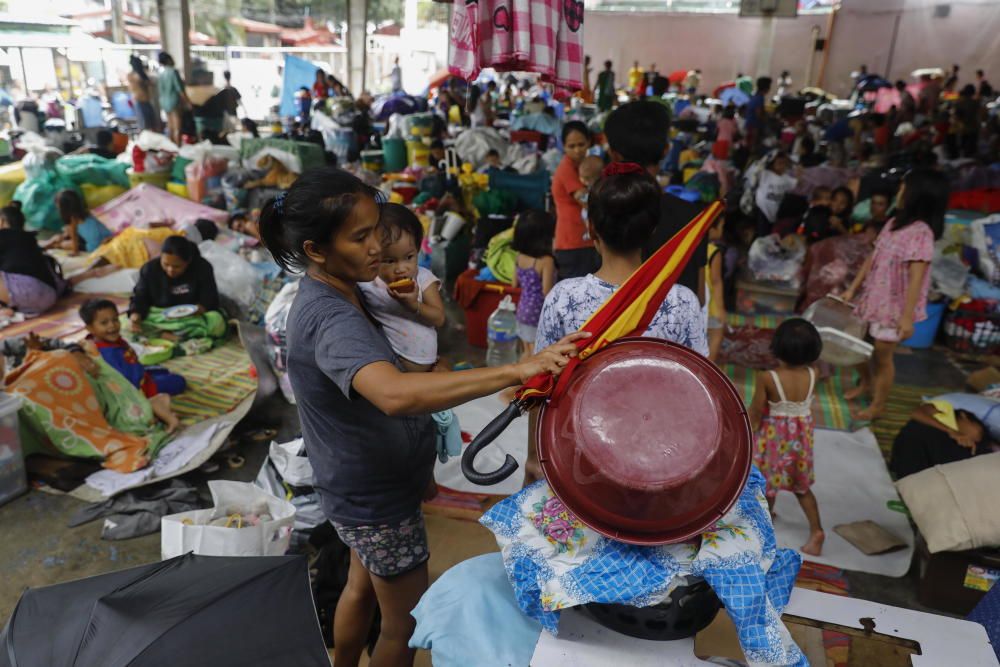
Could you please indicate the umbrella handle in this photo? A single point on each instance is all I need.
(485, 437)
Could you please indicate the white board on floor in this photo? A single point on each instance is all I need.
(852, 484)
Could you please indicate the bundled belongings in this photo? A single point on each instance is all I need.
(186, 610)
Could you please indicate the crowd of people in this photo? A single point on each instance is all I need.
(363, 351)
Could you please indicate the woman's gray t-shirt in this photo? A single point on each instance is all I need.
(369, 468)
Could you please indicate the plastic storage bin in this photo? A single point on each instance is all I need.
(965, 329)
(765, 298)
(482, 305)
(842, 333)
(925, 332)
(13, 479)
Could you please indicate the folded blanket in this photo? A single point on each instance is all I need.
(210, 327)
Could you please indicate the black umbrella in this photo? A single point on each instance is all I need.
(189, 610)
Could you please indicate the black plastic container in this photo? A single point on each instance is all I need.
(690, 608)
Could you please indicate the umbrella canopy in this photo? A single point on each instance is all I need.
(187, 610)
(398, 103)
(677, 76)
(438, 78)
(722, 87)
(734, 96)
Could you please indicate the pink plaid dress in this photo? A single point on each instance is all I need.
(784, 452)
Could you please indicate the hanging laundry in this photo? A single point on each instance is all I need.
(541, 36)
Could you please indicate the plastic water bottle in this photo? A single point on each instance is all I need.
(501, 330)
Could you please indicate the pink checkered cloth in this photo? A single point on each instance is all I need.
(542, 36)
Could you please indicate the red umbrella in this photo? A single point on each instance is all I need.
(438, 78)
(727, 84)
(678, 76)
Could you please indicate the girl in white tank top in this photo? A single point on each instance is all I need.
(781, 414)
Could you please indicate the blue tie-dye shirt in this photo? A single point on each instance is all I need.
(569, 304)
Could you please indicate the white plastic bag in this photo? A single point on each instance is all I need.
(154, 141)
(275, 321)
(286, 465)
(188, 531)
(948, 273)
(473, 144)
(235, 277)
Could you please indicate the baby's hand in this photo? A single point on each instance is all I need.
(408, 298)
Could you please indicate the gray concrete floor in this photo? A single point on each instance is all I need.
(39, 549)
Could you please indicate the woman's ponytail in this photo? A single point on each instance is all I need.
(313, 209)
(272, 235)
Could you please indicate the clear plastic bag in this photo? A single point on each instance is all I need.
(235, 277)
(777, 260)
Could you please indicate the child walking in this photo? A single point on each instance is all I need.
(895, 279)
(781, 416)
(535, 271)
(366, 422)
(405, 298)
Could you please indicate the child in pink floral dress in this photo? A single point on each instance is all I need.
(784, 427)
(896, 278)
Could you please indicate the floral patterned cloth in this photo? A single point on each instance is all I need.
(884, 289)
(572, 301)
(784, 453)
(389, 549)
(554, 562)
(82, 416)
(784, 441)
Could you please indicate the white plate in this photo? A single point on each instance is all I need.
(177, 312)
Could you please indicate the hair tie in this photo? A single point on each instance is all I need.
(279, 203)
(380, 198)
(622, 168)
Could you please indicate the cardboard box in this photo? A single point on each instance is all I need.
(983, 378)
(955, 581)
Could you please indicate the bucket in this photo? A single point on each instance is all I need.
(418, 154)
(925, 332)
(372, 161)
(394, 155)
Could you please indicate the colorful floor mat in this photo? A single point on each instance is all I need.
(830, 410)
(63, 321)
(217, 382)
(759, 321)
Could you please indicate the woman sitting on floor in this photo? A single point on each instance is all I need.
(179, 277)
(29, 283)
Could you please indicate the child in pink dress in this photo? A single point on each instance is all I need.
(896, 278)
(781, 414)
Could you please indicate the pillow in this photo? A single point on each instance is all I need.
(983, 407)
(954, 505)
